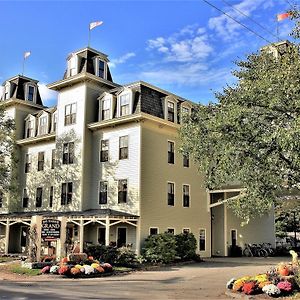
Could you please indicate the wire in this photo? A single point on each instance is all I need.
(238, 22)
(239, 11)
(292, 5)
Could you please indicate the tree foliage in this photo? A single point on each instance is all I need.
(251, 136)
(6, 149)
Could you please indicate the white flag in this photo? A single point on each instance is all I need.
(26, 54)
(95, 24)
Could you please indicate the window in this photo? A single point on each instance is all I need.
(103, 192)
(171, 230)
(41, 161)
(233, 237)
(101, 68)
(29, 129)
(51, 196)
(53, 155)
(170, 152)
(101, 235)
(25, 199)
(185, 230)
(72, 65)
(70, 114)
(185, 110)
(104, 147)
(186, 160)
(122, 191)
(68, 153)
(66, 193)
(171, 194)
(7, 91)
(105, 109)
(171, 111)
(186, 195)
(124, 105)
(43, 125)
(54, 122)
(38, 198)
(27, 163)
(123, 147)
(202, 240)
(1, 199)
(153, 231)
(30, 93)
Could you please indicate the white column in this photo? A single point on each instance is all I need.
(107, 228)
(6, 236)
(81, 231)
(61, 251)
(225, 227)
(138, 238)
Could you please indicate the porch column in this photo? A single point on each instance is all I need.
(6, 237)
(107, 227)
(61, 246)
(81, 231)
(225, 227)
(138, 238)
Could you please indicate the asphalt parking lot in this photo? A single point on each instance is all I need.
(204, 280)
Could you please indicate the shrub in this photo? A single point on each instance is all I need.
(126, 257)
(185, 245)
(103, 253)
(160, 248)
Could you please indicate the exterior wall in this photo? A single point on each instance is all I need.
(218, 229)
(116, 169)
(260, 230)
(155, 173)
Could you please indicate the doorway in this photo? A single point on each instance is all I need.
(121, 236)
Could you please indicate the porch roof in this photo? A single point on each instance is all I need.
(85, 213)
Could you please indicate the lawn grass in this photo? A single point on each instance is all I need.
(18, 269)
(122, 269)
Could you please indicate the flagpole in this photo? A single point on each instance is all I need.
(89, 36)
(23, 65)
(277, 28)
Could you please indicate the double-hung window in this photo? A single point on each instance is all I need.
(101, 68)
(171, 193)
(70, 114)
(202, 240)
(171, 111)
(25, 199)
(27, 163)
(51, 196)
(54, 125)
(30, 95)
(122, 191)
(29, 129)
(186, 160)
(171, 155)
(124, 104)
(53, 157)
(39, 197)
(104, 148)
(105, 109)
(43, 125)
(68, 153)
(103, 192)
(186, 195)
(66, 193)
(123, 147)
(41, 161)
(1, 199)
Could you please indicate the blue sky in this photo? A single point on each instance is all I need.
(186, 47)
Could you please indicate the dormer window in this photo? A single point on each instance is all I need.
(105, 109)
(30, 93)
(100, 68)
(43, 125)
(124, 105)
(29, 129)
(6, 91)
(171, 109)
(72, 65)
(185, 111)
(54, 122)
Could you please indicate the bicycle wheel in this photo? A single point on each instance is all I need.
(247, 252)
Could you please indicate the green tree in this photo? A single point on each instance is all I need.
(7, 153)
(251, 136)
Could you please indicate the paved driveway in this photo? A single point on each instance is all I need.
(196, 281)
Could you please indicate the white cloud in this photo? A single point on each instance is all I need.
(121, 59)
(188, 45)
(48, 96)
(226, 28)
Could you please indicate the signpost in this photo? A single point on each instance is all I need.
(50, 230)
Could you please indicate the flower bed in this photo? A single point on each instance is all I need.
(281, 280)
(87, 268)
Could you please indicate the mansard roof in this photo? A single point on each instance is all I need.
(17, 86)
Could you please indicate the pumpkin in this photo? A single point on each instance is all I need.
(283, 270)
(64, 260)
(75, 271)
(99, 269)
(63, 270)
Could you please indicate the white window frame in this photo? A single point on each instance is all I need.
(205, 239)
(53, 127)
(96, 67)
(7, 89)
(236, 231)
(123, 136)
(153, 228)
(100, 150)
(73, 59)
(27, 85)
(168, 193)
(107, 191)
(127, 192)
(117, 233)
(127, 91)
(184, 228)
(71, 105)
(33, 121)
(46, 125)
(189, 195)
(173, 229)
(23, 194)
(174, 101)
(169, 163)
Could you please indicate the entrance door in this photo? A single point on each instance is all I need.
(23, 239)
(101, 235)
(121, 234)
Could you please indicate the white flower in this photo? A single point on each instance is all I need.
(271, 290)
(88, 269)
(230, 283)
(54, 269)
